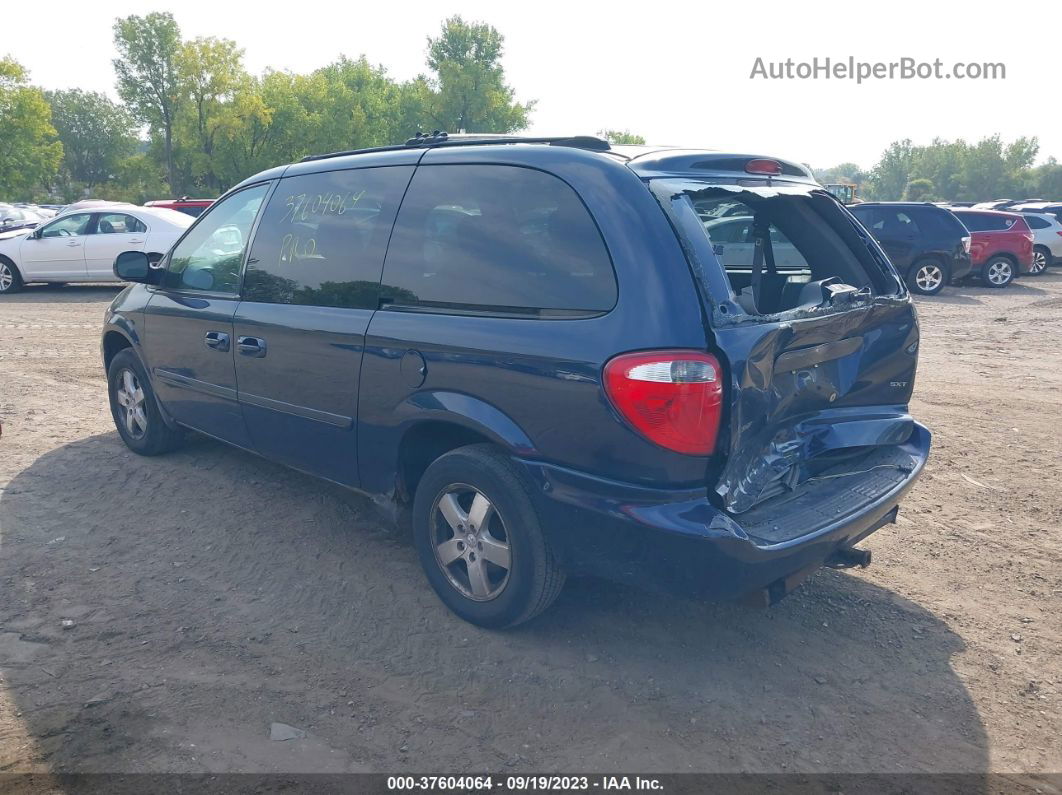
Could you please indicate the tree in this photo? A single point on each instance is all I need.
(918, 190)
(621, 137)
(29, 150)
(210, 73)
(96, 133)
(470, 92)
(892, 173)
(148, 79)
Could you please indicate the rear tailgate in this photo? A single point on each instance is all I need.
(820, 340)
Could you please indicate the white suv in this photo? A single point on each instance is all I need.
(80, 245)
(1047, 240)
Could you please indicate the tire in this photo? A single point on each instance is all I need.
(928, 277)
(447, 497)
(10, 278)
(1041, 259)
(144, 432)
(998, 272)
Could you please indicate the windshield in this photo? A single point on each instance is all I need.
(765, 250)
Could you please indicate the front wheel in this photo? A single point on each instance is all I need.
(1041, 257)
(136, 414)
(10, 278)
(479, 539)
(928, 277)
(998, 272)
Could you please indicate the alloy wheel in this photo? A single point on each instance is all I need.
(1000, 272)
(929, 278)
(7, 277)
(130, 396)
(1039, 263)
(471, 542)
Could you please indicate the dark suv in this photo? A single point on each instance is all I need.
(541, 348)
(926, 243)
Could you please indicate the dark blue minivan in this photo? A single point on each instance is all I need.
(679, 369)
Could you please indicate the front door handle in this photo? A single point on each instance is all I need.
(73, 243)
(251, 346)
(218, 340)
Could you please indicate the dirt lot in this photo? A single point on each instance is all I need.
(160, 614)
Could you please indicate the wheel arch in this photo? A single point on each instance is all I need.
(445, 421)
(113, 342)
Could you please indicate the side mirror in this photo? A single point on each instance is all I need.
(133, 266)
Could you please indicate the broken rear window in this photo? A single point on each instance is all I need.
(780, 248)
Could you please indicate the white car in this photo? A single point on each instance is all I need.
(81, 246)
(1047, 239)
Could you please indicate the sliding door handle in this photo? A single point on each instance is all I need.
(251, 346)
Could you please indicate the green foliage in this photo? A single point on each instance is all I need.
(96, 134)
(29, 150)
(956, 171)
(621, 137)
(919, 190)
(468, 92)
(149, 80)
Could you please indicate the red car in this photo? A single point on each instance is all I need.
(192, 207)
(1001, 246)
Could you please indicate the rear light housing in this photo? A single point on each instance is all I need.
(966, 243)
(763, 166)
(674, 398)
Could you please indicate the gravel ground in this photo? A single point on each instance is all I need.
(161, 614)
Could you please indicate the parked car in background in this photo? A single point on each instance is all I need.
(555, 364)
(926, 243)
(192, 207)
(1050, 208)
(14, 218)
(1001, 246)
(1047, 239)
(80, 246)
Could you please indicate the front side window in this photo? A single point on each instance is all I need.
(118, 223)
(497, 238)
(68, 226)
(322, 238)
(210, 255)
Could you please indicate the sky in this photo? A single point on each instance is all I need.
(676, 73)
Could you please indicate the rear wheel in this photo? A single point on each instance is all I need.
(10, 278)
(928, 277)
(1041, 257)
(479, 539)
(136, 414)
(998, 272)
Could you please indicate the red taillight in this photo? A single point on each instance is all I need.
(673, 398)
(763, 167)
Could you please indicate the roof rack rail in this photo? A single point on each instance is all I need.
(438, 138)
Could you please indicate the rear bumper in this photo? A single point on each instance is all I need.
(678, 542)
(961, 266)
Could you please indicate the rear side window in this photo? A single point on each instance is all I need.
(118, 223)
(939, 223)
(498, 238)
(322, 238)
(985, 222)
(1036, 223)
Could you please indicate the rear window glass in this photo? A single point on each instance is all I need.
(322, 238)
(779, 251)
(497, 238)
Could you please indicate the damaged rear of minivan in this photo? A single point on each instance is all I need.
(817, 342)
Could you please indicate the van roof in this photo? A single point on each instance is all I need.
(645, 161)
